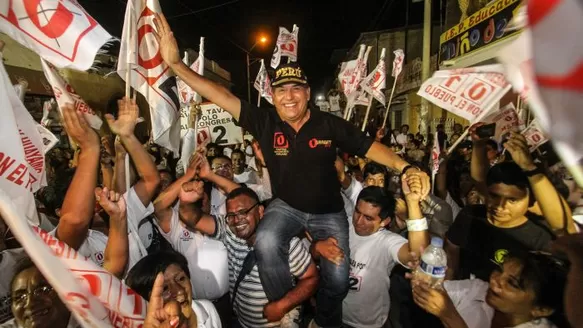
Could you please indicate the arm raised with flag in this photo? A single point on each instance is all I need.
(208, 89)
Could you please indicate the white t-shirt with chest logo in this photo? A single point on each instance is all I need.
(140, 233)
(372, 259)
(93, 246)
(207, 259)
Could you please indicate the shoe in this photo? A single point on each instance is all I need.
(291, 319)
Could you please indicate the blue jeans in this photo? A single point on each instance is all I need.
(278, 226)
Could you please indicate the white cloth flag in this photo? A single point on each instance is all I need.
(534, 135)
(184, 91)
(398, 62)
(547, 71)
(64, 93)
(357, 96)
(286, 46)
(94, 297)
(263, 83)
(348, 72)
(22, 162)
(376, 81)
(149, 74)
(58, 31)
(470, 93)
(506, 120)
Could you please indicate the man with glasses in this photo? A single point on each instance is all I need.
(238, 232)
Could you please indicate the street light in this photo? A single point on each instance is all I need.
(261, 40)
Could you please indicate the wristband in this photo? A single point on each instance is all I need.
(405, 169)
(534, 172)
(417, 225)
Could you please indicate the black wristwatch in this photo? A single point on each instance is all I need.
(534, 172)
(409, 166)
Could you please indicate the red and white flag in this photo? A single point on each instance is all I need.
(59, 31)
(534, 135)
(376, 81)
(185, 93)
(355, 94)
(470, 93)
(398, 62)
(547, 70)
(64, 93)
(149, 74)
(286, 46)
(435, 152)
(22, 160)
(349, 73)
(263, 83)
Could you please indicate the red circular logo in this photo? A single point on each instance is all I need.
(313, 143)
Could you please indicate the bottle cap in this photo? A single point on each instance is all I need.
(437, 242)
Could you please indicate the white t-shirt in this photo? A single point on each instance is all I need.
(140, 241)
(227, 152)
(372, 259)
(350, 196)
(93, 247)
(206, 314)
(10, 258)
(402, 139)
(334, 103)
(207, 259)
(248, 176)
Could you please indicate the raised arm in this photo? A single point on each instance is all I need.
(554, 208)
(205, 172)
(79, 203)
(204, 87)
(479, 164)
(117, 249)
(419, 236)
(124, 127)
(190, 214)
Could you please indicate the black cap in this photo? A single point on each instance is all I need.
(289, 73)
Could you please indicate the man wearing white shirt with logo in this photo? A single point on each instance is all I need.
(374, 251)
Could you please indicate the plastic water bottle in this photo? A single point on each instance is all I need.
(433, 264)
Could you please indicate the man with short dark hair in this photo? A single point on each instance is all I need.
(241, 172)
(299, 146)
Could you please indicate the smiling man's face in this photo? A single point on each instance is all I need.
(291, 101)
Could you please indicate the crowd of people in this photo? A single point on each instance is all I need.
(313, 223)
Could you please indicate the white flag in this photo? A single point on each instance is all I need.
(355, 93)
(263, 83)
(435, 152)
(534, 135)
(469, 92)
(59, 31)
(376, 81)
(149, 74)
(64, 93)
(506, 120)
(286, 45)
(184, 91)
(547, 71)
(398, 62)
(348, 72)
(22, 161)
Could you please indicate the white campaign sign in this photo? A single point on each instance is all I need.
(220, 122)
(58, 31)
(49, 139)
(467, 92)
(506, 120)
(534, 135)
(64, 93)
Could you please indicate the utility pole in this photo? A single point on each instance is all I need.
(425, 113)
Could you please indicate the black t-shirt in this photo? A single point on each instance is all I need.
(483, 246)
(301, 165)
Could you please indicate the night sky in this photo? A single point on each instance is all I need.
(323, 28)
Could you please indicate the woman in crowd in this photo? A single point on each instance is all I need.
(527, 291)
(176, 288)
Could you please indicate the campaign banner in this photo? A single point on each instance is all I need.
(534, 135)
(220, 123)
(61, 31)
(467, 92)
(506, 120)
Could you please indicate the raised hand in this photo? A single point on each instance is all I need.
(166, 41)
(191, 192)
(78, 129)
(112, 202)
(258, 152)
(432, 300)
(518, 148)
(330, 250)
(473, 134)
(159, 315)
(412, 188)
(127, 118)
(202, 165)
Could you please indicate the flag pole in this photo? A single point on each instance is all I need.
(258, 98)
(389, 103)
(128, 93)
(367, 113)
(293, 29)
